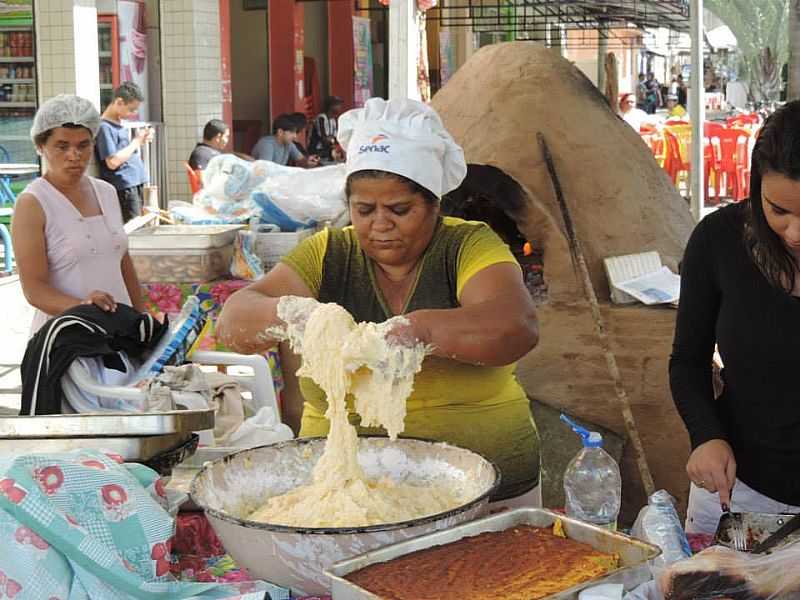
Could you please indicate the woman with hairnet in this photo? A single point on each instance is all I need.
(456, 282)
(68, 234)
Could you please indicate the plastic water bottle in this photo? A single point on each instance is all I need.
(592, 483)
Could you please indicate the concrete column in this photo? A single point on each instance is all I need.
(225, 65)
(602, 50)
(285, 40)
(556, 32)
(403, 49)
(464, 40)
(66, 46)
(191, 64)
(697, 110)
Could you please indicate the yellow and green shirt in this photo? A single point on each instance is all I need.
(476, 407)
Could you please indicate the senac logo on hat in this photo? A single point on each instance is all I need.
(375, 145)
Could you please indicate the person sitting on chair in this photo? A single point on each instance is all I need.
(279, 147)
(675, 110)
(216, 135)
(325, 128)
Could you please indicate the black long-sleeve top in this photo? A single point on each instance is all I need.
(726, 300)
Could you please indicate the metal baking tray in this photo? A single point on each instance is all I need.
(94, 425)
(133, 449)
(757, 527)
(183, 237)
(633, 553)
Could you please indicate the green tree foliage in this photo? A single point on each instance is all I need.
(757, 25)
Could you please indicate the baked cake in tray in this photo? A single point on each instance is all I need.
(520, 563)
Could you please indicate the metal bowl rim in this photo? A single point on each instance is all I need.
(341, 530)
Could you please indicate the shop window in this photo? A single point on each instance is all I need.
(490, 195)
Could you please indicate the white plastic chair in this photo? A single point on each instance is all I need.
(260, 385)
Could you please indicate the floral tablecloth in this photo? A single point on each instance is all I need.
(199, 555)
(167, 298)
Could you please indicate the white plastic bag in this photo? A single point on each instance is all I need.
(659, 524)
(646, 591)
(306, 194)
(606, 591)
(260, 429)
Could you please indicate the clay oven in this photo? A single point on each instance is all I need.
(622, 203)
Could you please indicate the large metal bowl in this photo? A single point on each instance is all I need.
(296, 557)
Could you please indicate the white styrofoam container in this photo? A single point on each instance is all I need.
(182, 265)
(271, 247)
(183, 237)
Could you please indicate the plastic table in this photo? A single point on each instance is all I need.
(7, 198)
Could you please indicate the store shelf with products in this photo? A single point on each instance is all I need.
(18, 86)
(108, 51)
(16, 44)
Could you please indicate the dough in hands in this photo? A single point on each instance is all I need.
(344, 357)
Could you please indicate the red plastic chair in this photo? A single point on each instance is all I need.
(673, 163)
(728, 161)
(713, 132)
(195, 180)
(646, 128)
(744, 121)
(679, 152)
(655, 141)
(743, 166)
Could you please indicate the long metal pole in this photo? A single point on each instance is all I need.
(697, 109)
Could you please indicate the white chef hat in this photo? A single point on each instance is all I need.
(63, 109)
(404, 137)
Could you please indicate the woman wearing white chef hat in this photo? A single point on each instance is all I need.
(456, 282)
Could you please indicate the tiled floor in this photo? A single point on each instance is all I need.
(16, 320)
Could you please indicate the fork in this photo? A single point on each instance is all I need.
(738, 536)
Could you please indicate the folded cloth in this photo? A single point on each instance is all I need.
(81, 525)
(226, 399)
(83, 331)
(186, 378)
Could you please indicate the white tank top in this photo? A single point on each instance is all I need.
(83, 253)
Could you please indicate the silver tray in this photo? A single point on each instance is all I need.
(633, 553)
(130, 448)
(183, 237)
(757, 527)
(94, 425)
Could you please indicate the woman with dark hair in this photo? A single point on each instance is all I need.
(456, 282)
(69, 241)
(740, 291)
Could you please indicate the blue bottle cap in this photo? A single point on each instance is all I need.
(590, 439)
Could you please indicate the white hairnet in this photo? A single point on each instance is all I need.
(63, 109)
(404, 137)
